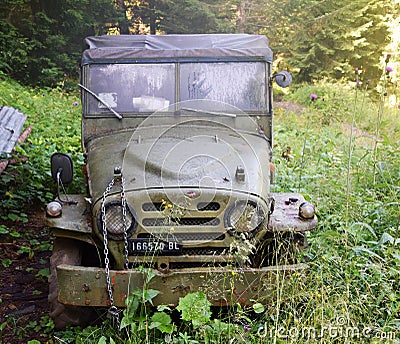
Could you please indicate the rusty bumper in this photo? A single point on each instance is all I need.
(86, 286)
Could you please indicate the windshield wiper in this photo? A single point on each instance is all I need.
(101, 101)
(216, 113)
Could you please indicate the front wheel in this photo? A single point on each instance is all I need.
(280, 249)
(65, 251)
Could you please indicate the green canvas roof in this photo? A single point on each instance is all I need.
(130, 48)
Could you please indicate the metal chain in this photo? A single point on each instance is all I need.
(113, 311)
(125, 227)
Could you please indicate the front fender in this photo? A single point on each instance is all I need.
(74, 218)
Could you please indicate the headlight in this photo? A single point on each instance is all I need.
(306, 210)
(54, 209)
(114, 220)
(244, 216)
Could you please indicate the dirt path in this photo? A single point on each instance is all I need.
(289, 106)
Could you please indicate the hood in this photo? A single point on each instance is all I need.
(181, 156)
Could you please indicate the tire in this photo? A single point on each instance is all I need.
(281, 249)
(65, 251)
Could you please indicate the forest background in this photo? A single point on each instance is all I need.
(41, 40)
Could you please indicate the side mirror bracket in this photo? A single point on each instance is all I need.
(62, 171)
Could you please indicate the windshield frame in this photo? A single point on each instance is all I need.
(88, 100)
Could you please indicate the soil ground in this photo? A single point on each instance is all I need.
(289, 106)
(23, 284)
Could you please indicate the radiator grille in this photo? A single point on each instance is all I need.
(201, 206)
(154, 206)
(211, 206)
(184, 236)
(206, 251)
(185, 221)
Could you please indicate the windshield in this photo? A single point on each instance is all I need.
(239, 84)
(131, 88)
(145, 88)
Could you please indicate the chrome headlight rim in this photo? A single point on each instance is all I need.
(307, 210)
(54, 209)
(131, 227)
(230, 228)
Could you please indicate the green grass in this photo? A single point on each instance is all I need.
(54, 116)
(342, 152)
(352, 175)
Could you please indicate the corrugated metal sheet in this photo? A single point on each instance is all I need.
(11, 123)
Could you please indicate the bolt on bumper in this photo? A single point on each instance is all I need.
(86, 286)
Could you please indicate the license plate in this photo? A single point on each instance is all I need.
(151, 246)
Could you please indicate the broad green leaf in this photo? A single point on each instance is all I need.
(4, 230)
(15, 234)
(258, 308)
(6, 262)
(162, 308)
(102, 340)
(149, 295)
(125, 322)
(161, 321)
(13, 217)
(132, 304)
(43, 272)
(196, 308)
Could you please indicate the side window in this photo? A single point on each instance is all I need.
(240, 84)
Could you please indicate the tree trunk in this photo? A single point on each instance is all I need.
(35, 7)
(152, 17)
(123, 25)
(241, 20)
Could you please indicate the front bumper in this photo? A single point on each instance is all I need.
(86, 286)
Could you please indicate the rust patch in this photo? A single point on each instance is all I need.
(181, 289)
(239, 298)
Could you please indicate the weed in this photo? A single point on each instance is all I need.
(54, 119)
(6, 262)
(353, 175)
(195, 308)
(342, 152)
(43, 273)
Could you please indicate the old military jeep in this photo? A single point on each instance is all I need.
(177, 143)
